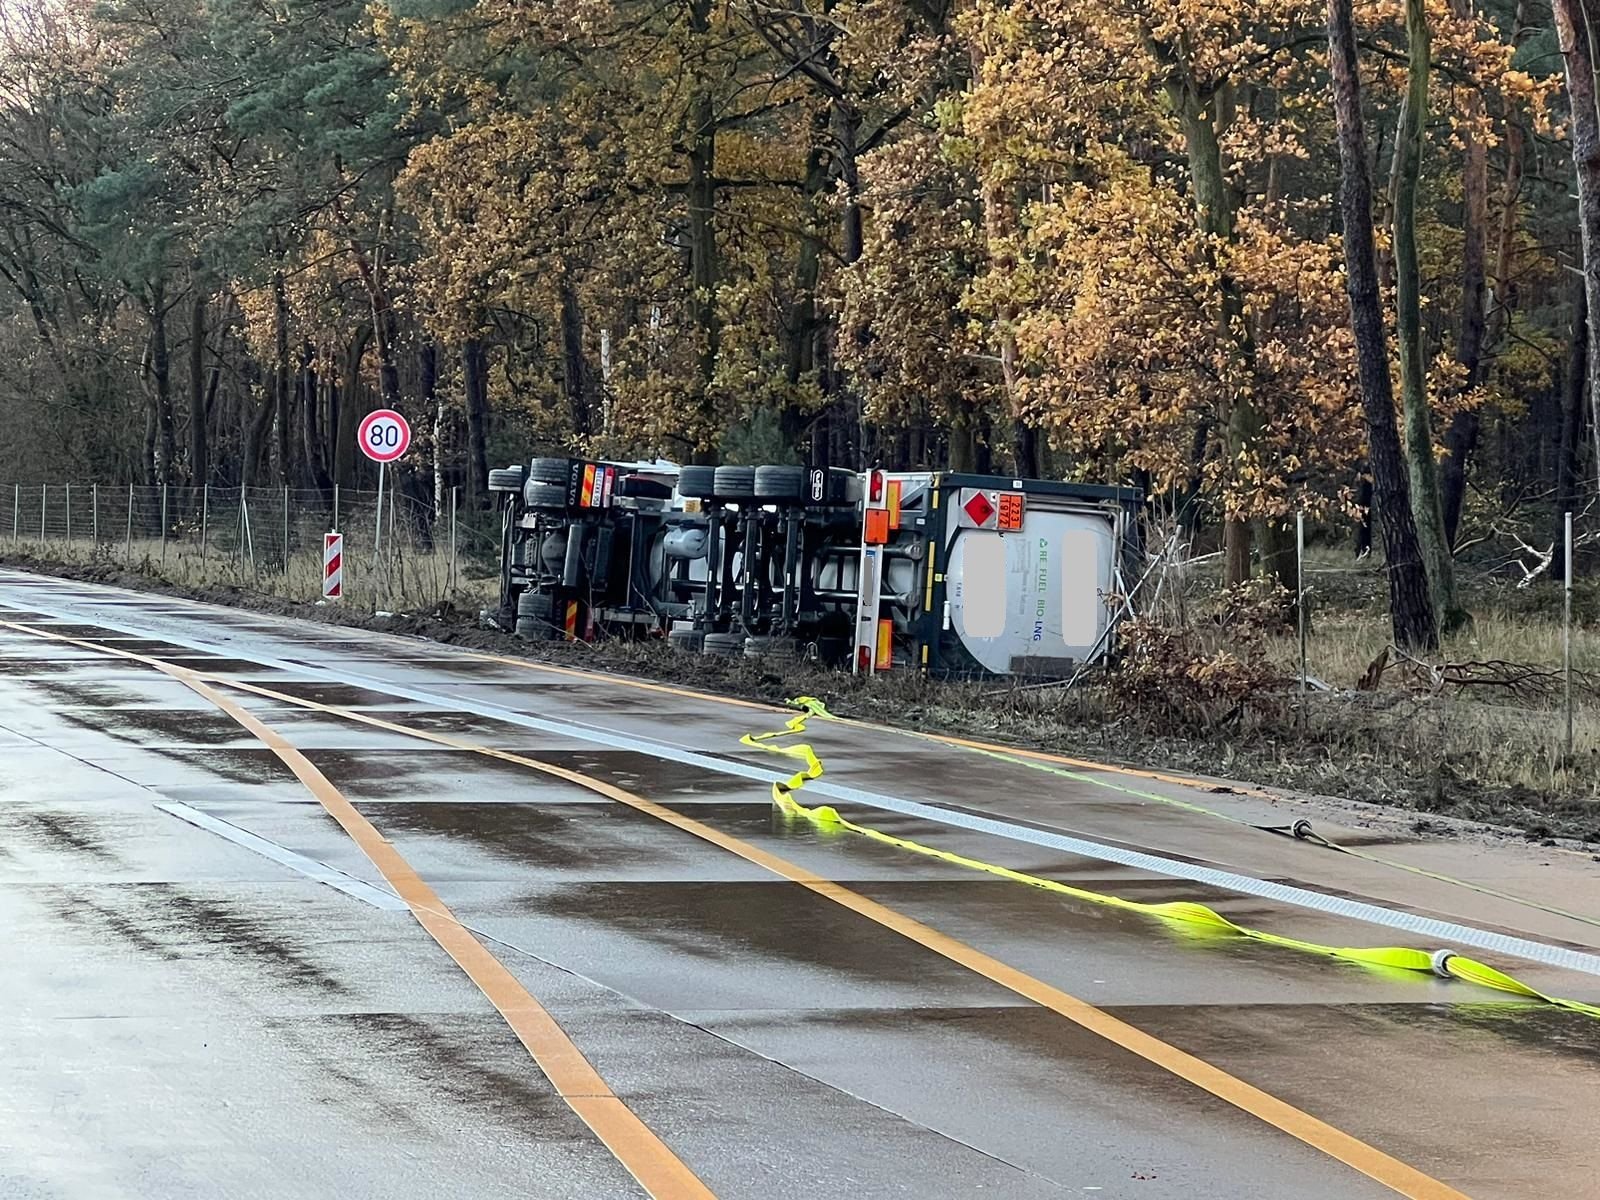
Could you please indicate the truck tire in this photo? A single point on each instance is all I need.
(780, 483)
(505, 479)
(539, 605)
(735, 483)
(697, 483)
(549, 470)
(723, 645)
(544, 495)
(770, 647)
(690, 641)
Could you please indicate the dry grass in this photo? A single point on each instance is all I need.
(406, 579)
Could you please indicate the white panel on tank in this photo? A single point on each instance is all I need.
(983, 585)
(1080, 586)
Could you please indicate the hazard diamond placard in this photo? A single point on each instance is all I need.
(977, 509)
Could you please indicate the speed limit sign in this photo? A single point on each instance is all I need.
(384, 435)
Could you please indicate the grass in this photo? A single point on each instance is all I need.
(406, 578)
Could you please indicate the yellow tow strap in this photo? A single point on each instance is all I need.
(1444, 963)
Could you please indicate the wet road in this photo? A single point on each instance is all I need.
(300, 911)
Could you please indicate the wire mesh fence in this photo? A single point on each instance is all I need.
(410, 554)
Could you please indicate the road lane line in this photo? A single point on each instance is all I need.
(283, 856)
(646, 1157)
(1399, 1177)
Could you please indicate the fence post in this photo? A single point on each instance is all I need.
(1300, 594)
(94, 513)
(286, 531)
(69, 514)
(163, 522)
(239, 541)
(16, 512)
(451, 585)
(205, 522)
(1566, 637)
(44, 509)
(130, 525)
(249, 534)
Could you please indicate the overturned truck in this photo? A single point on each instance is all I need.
(950, 574)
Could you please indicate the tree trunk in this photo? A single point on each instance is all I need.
(316, 453)
(703, 260)
(1426, 503)
(255, 438)
(1575, 38)
(475, 381)
(1204, 117)
(1278, 561)
(1462, 436)
(574, 366)
(350, 414)
(1569, 492)
(1410, 603)
(801, 325)
(199, 467)
(166, 445)
(282, 390)
(847, 134)
(433, 400)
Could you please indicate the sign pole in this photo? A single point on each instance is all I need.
(377, 530)
(1566, 636)
(453, 496)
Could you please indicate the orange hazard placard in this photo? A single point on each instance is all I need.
(1010, 510)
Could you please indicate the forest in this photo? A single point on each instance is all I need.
(1256, 257)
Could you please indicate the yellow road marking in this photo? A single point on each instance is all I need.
(1398, 1176)
(660, 1172)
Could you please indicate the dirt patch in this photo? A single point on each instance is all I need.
(1447, 759)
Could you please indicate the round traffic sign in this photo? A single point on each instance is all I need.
(384, 435)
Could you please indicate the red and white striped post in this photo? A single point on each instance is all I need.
(332, 566)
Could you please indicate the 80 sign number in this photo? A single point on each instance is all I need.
(384, 435)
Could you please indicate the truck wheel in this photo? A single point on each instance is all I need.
(690, 641)
(723, 645)
(697, 483)
(505, 479)
(544, 495)
(770, 647)
(531, 629)
(780, 483)
(735, 483)
(549, 470)
(538, 605)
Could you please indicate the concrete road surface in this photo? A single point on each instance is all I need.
(299, 911)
